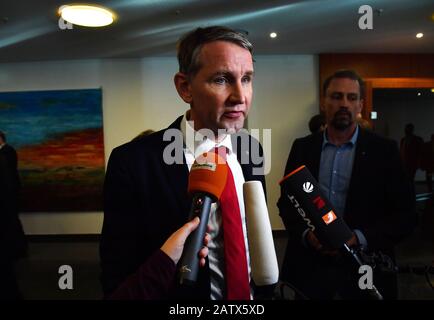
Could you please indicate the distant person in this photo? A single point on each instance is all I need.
(362, 176)
(317, 123)
(411, 151)
(13, 243)
(427, 161)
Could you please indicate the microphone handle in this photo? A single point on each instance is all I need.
(374, 293)
(189, 262)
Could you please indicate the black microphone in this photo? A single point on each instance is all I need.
(304, 194)
(206, 183)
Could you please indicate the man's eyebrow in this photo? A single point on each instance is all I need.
(229, 73)
(347, 93)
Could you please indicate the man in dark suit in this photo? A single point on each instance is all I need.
(13, 243)
(145, 191)
(361, 174)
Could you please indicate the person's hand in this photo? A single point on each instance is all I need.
(314, 243)
(174, 245)
(353, 241)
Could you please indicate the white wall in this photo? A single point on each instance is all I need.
(285, 98)
(139, 94)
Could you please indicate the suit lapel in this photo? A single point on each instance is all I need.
(176, 174)
(314, 158)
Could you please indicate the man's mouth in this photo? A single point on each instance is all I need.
(233, 114)
(342, 114)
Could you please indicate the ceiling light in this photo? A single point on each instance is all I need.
(432, 90)
(418, 93)
(419, 35)
(273, 35)
(86, 15)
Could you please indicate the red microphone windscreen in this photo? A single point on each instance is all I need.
(208, 174)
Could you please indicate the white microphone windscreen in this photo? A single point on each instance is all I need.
(263, 260)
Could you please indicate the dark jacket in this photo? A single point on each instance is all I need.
(145, 201)
(12, 238)
(380, 200)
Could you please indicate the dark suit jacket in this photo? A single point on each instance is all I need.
(145, 201)
(380, 200)
(10, 182)
(12, 238)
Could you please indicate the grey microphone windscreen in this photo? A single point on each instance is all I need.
(263, 260)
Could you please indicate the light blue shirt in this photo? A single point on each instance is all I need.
(336, 166)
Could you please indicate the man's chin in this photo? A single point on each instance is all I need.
(341, 125)
(233, 127)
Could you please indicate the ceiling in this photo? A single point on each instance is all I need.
(29, 30)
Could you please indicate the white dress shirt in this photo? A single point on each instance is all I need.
(195, 145)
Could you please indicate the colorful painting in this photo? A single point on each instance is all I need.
(58, 136)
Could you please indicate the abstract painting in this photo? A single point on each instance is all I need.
(58, 136)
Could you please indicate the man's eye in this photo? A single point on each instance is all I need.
(352, 98)
(246, 79)
(220, 80)
(336, 96)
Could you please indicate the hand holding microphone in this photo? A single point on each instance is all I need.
(326, 228)
(315, 244)
(206, 183)
(174, 245)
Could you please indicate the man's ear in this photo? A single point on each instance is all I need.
(183, 87)
(361, 105)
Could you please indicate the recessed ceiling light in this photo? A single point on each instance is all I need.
(86, 15)
(419, 35)
(418, 93)
(432, 90)
(273, 35)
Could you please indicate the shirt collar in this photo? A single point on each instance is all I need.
(351, 142)
(2, 145)
(196, 143)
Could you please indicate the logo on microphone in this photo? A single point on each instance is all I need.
(319, 203)
(307, 187)
(204, 166)
(329, 217)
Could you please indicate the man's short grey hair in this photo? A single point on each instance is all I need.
(189, 45)
(345, 74)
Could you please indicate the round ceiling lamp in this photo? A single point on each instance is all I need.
(87, 15)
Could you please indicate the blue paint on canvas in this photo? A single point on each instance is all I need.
(32, 117)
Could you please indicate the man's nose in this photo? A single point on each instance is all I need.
(237, 93)
(345, 102)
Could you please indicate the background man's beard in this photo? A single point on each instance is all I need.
(339, 122)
